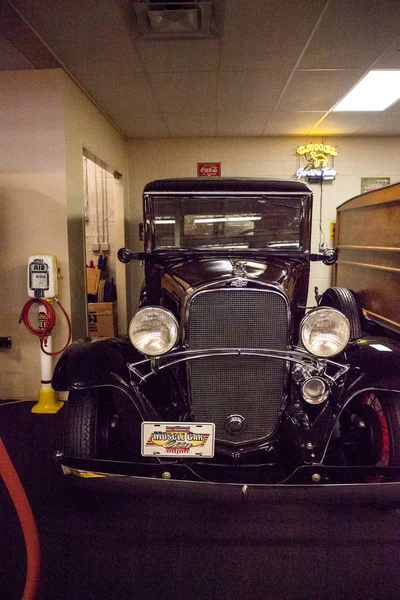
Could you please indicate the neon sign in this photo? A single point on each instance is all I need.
(316, 174)
(317, 159)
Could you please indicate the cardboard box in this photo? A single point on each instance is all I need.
(102, 319)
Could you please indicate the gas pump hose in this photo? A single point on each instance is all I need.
(27, 521)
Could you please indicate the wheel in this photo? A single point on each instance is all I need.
(345, 301)
(88, 424)
(370, 430)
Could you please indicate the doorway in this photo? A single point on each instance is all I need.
(103, 208)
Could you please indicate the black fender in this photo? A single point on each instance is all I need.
(93, 364)
(374, 364)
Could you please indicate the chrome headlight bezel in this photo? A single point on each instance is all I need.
(311, 398)
(140, 317)
(320, 312)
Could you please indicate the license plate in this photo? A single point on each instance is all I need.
(184, 439)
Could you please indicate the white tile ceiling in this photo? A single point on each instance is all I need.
(279, 68)
(10, 58)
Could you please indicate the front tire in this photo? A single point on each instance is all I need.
(88, 425)
(370, 430)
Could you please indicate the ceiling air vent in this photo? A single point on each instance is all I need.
(172, 19)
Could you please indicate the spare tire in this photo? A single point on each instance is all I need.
(345, 301)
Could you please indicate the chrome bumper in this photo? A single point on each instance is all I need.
(336, 484)
(147, 367)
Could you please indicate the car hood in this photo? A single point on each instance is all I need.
(175, 278)
(196, 272)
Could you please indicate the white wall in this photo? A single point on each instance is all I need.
(33, 213)
(85, 127)
(263, 157)
(45, 122)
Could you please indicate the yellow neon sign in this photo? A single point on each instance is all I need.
(325, 148)
(318, 153)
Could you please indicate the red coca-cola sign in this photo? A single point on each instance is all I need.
(209, 169)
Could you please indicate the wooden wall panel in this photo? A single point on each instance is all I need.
(368, 239)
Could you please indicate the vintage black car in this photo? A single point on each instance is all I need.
(227, 376)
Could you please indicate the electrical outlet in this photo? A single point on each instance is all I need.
(96, 247)
(104, 246)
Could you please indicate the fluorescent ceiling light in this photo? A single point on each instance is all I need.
(225, 219)
(376, 91)
(164, 221)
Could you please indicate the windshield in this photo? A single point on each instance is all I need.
(229, 222)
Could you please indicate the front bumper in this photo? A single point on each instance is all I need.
(148, 367)
(308, 483)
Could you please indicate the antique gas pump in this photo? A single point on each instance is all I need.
(42, 283)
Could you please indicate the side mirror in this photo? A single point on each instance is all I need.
(329, 256)
(126, 256)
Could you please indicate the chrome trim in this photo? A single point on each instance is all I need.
(310, 399)
(209, 287)
(295, 355)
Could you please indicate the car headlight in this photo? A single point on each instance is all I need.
(153, 330)
(325, 332)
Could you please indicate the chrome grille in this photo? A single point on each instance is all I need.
(249, 386)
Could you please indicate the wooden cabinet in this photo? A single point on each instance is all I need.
(368, 240)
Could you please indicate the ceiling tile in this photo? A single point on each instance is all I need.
(286, 123)
(352, 34)
(261, 43)
(86, 55)
(66, 20)
(254, 91)
(390, 59)
(266, 34)
(186, 92)
(10, 58)
(386, 124)
(194, 125)
(395, 107)
(242, 124)
(143, 126)
(317, 90)
(170, 56)
(105, 88)
(84, 34)
(344, 123)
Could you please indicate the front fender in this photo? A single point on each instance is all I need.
(88, 364)
(374, 363)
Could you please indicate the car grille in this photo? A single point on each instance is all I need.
(249, 386)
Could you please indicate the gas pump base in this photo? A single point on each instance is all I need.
(47, 403)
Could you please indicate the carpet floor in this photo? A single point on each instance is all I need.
(112, 545)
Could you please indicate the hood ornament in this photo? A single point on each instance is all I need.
(239, 271)
(239, 268)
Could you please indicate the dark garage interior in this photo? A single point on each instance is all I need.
(200, 384)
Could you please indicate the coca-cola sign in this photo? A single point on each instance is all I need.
(209, 169)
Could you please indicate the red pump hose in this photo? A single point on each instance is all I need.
(49, 324)
(28, 525)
